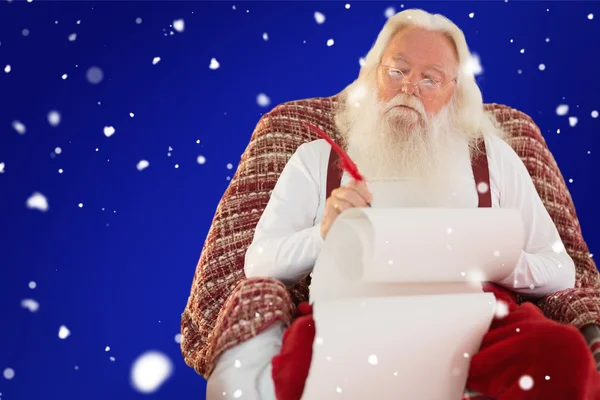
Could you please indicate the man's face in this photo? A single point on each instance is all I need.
(419, 54)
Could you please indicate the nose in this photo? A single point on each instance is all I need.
(409, 88)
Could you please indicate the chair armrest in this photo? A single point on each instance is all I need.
(591, 332)
(577, 306)
(253, 306)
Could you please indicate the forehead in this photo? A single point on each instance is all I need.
(422, 47)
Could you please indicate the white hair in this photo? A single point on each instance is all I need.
(469, 116)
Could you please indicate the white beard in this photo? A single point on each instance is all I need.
(397, 143)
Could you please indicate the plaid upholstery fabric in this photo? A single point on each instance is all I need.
(224, 308)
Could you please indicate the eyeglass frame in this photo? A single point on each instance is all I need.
(405, 82)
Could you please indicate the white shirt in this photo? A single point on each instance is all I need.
(288, 240)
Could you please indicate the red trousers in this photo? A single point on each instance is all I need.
(523, 356)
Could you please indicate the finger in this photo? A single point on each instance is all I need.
(353, 196)
(337, 206)
(362, 188)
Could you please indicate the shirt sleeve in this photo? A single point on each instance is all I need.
(544, 266)
(286, 240)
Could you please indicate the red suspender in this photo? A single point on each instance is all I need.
(334, 173)
(479, 164)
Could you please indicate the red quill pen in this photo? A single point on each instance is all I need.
(346, 162)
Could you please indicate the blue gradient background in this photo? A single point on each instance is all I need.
(121, 277)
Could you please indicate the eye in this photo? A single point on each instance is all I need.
(432, 79)
(395, 73)
(429, 83)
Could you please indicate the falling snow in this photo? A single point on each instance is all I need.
(54, 118)
(389, 12)
(201, 160)
(594, 114)
(471, 15)
(32, 285)
(526, 382)
(2, 165)
(265, 36)
(138, 20)
(263, 100)
(63, 332)
(473, 66)
(142, 165)
(179, 25)
(330, 42)
(72, 37)
(94, 75)
(214, 64)
(9, 373)
(149, 371)
(30, 304)
(573, 121)
(541, 67)
(319, 17)
(155, 60)
(7, 68)
(19, 127)
(562, 110)
(109, 131)
(37, 201)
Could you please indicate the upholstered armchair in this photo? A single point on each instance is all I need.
(225, 308)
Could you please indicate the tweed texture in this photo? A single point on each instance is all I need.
(225, 308)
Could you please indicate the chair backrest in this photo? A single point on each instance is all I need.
(277, 136)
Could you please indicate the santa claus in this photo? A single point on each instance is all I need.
(415, 112)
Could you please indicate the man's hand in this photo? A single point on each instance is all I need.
(355, 194)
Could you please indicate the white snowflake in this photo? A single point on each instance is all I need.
(25, 32)
(179, 25)
(32, 285)
(19, 127)
(373, 359)
(562, 110)
(265, 36)
(2, 165)
(131, 115)
(142, 165)
(178, 338)
(214, 64)
(37, 201)
(9, 373)
(263, 100)
(319, 17)
(72, 37)
(389, 12)
(64, 76)
(201, 160)
(594, 114)
(526, 382)
(155, 60)
(473, 66)
(590, 16)
(94, 75)
(54, 118)
(361, 61)
(542, 67)
(7, 68)
(58, 150)
(573, 121)
(501, 309)
(330, 42)
(63, 332)
(109, 131)
(471, 15)
(347, 6)
(30, 305)
(138, 20)
(149, 371)
(107, 348)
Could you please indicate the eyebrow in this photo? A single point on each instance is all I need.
(437, 67)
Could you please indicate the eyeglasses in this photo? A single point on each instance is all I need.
(427, 89)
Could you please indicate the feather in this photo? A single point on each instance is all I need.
(346, 162)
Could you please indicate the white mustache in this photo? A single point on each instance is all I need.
(407, 101)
